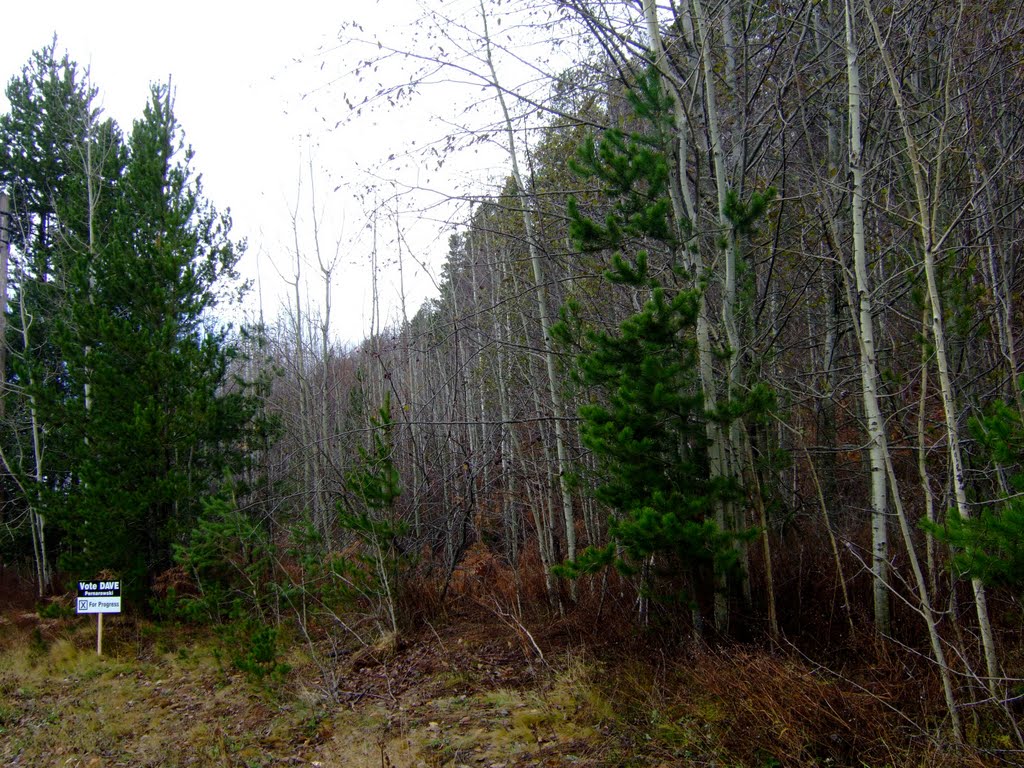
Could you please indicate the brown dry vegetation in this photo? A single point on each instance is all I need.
(478, 687)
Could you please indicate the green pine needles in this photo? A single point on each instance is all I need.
(650, 440)
(647, 422)
(121, 414)
(374, 488)
(990, 545)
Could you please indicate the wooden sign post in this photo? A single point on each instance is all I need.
(98, 597)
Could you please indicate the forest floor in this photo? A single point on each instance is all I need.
(466, 691)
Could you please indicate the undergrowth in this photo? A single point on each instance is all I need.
(461, 691)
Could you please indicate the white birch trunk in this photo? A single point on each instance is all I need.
(922, 464)
(540, 292)
(37, 522)
(865, 325)
(729, 444)
(503, 334)
(300, 384)
(926, 221)
(538, 507)
(409, 408)
(322, 447)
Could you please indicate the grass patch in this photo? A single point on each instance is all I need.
(174, 708)
(503, 699)
(176, 699)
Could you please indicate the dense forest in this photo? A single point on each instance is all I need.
(730, 356)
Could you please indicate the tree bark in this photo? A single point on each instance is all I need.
(540, 291)
(865, 326)
(927, 215)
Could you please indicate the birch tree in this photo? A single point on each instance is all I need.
(863, 304)
(931, 237)
(540, 289)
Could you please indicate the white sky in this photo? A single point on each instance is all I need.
(259, 92)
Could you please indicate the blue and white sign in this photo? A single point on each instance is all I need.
(98, 597)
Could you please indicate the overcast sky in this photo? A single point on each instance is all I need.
(259, 94)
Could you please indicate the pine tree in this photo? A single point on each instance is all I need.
(124, 415)
(159, 431)
(648, 431)
(650, 442)
(990, 546)
(374, 487)
(44, 142)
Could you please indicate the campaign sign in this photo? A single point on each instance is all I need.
(98, 597)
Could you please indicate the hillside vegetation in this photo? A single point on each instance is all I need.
(467, 690)
(708, 449)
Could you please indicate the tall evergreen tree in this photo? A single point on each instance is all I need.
(649, 430)
(118, 359)
(158, 431)
(44, 139)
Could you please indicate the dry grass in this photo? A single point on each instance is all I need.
(137, 705)
(749, 707)
(458, 693)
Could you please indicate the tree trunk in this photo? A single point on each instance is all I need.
(540, 286)
(926, 223)
(5, 254)
(864, 323)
